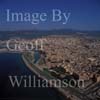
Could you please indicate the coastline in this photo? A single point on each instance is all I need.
(65, 92)
(29, 66)
(60, 90)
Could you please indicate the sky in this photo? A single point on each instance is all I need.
(85, 14)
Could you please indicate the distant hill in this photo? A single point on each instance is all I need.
(28, 34)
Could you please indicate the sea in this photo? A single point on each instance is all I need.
(12, 64)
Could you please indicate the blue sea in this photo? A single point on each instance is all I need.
(12, 64)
